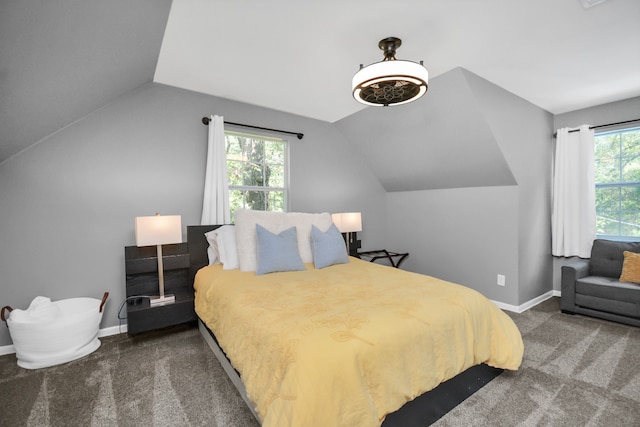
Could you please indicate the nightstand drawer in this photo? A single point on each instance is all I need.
(142, 318)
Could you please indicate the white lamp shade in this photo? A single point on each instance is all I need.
(348, 222)
(385, 70)
(158, 230)
(401, 71)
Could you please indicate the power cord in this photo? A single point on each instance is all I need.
(126, 300)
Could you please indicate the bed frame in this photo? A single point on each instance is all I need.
(423, 410)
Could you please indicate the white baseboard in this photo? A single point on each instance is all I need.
(527, 305)
(7, 349)
(113, 330)
(105, 332)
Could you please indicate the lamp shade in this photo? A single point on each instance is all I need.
(391, 81)
(158, 230)
(348, 222)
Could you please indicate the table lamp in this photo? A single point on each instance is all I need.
(349, 223)
(156, 231)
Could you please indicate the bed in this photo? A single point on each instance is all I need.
(354, 343)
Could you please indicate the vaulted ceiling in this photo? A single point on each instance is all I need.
(61, 60)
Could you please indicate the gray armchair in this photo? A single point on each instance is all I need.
(591, 286)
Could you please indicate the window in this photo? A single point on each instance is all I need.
(257, 172)
(617, 177)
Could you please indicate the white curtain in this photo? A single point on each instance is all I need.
(215, 206)
(574, 195)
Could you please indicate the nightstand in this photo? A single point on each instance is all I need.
(394, 258)
(141, 268)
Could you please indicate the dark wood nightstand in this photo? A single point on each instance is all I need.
(394, 258)
(141, 268)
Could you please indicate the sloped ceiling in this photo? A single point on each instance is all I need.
(440, 142)
(60, 60)
(63, 59)
(300, 56)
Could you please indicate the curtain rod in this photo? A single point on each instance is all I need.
(602, 126)
(206, 120)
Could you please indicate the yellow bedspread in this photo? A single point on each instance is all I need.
(348, 344)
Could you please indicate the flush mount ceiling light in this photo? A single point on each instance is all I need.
(391, 81)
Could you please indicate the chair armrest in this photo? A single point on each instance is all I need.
(580, 266)
(570, 273)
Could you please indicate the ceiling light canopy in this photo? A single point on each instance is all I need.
(391, 81)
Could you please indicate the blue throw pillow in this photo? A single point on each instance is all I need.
(277, 252)
(328, 247)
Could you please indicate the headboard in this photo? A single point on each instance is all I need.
(198, 246)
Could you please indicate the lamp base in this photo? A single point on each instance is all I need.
(165, 300)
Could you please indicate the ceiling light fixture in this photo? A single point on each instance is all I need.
(390, 81)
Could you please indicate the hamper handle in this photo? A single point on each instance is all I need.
(2, 316)
(104, 299)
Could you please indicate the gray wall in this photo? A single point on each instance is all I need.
(613, 112)
(69, 202)
(523, 132)
(499, 222)
(441, 141)
(464, 235)
(628, 109)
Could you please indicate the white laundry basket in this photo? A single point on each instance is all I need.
(50, 333)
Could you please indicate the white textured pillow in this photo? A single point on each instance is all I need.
(222, 247)
(275, 222)
(227, 247)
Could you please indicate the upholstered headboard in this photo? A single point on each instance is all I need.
(198, 246)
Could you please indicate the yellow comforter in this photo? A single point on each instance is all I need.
(348, 344)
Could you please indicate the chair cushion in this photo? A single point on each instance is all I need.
(608, 288)
(607, 257)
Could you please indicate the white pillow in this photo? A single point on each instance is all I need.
(212, 250)
(275, 222)
(227, 247)
(222, 247)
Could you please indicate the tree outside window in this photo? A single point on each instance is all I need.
(617, 176)
(257, 172)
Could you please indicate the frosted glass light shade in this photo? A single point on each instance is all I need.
(392, 82)
(348, 222)
(158, 230)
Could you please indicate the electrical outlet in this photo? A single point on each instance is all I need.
(501, 280)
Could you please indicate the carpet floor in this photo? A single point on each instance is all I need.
(577, 371)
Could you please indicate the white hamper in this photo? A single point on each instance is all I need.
(50, 333)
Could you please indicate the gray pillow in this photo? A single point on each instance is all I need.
(277, 252)
(328, 247)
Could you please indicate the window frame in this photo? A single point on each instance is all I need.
(286, 168)
(620, 184)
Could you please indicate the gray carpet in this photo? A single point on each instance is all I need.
(577, 371)
(167, 378)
